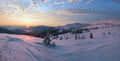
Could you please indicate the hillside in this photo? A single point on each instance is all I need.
(104, 46)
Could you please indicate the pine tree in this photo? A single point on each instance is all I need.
(82, 37)
(91, 35)
(76, 36)
(79, 37)
(61, 38)
(67, 38)
(109, 33)
(104, 33)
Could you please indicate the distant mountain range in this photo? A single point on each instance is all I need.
(42, 30)
(3, 30)
(72, 26)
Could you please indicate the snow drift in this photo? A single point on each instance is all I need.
(103, 47)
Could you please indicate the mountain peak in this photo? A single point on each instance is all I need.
(73, 26)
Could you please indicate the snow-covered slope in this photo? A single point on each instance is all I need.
(104, 46)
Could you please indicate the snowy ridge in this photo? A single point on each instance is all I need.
(107, 23)
(72, 26)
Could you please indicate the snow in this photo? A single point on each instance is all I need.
(72, 26)
(27, 48)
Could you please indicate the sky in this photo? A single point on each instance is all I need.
(56, 12)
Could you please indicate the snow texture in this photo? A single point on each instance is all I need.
(105, 46)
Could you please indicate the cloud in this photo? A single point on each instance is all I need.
(57, 3)
(76, 11)
(66, 12)
(89, 1)
(70, 1)
(86, 11)
(116, 1)
(44, 1)
(79, 0)
(75, 1)
(33, 2)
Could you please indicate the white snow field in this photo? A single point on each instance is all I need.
(104, 46)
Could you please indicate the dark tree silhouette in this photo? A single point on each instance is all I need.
(91, 35)
(104, 33)
(61, 38)
(76, 36)
(109, 33)
(82, 37)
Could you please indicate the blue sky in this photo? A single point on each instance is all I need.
(57, 12)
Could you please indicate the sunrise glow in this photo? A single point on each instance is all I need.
(55, 13)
